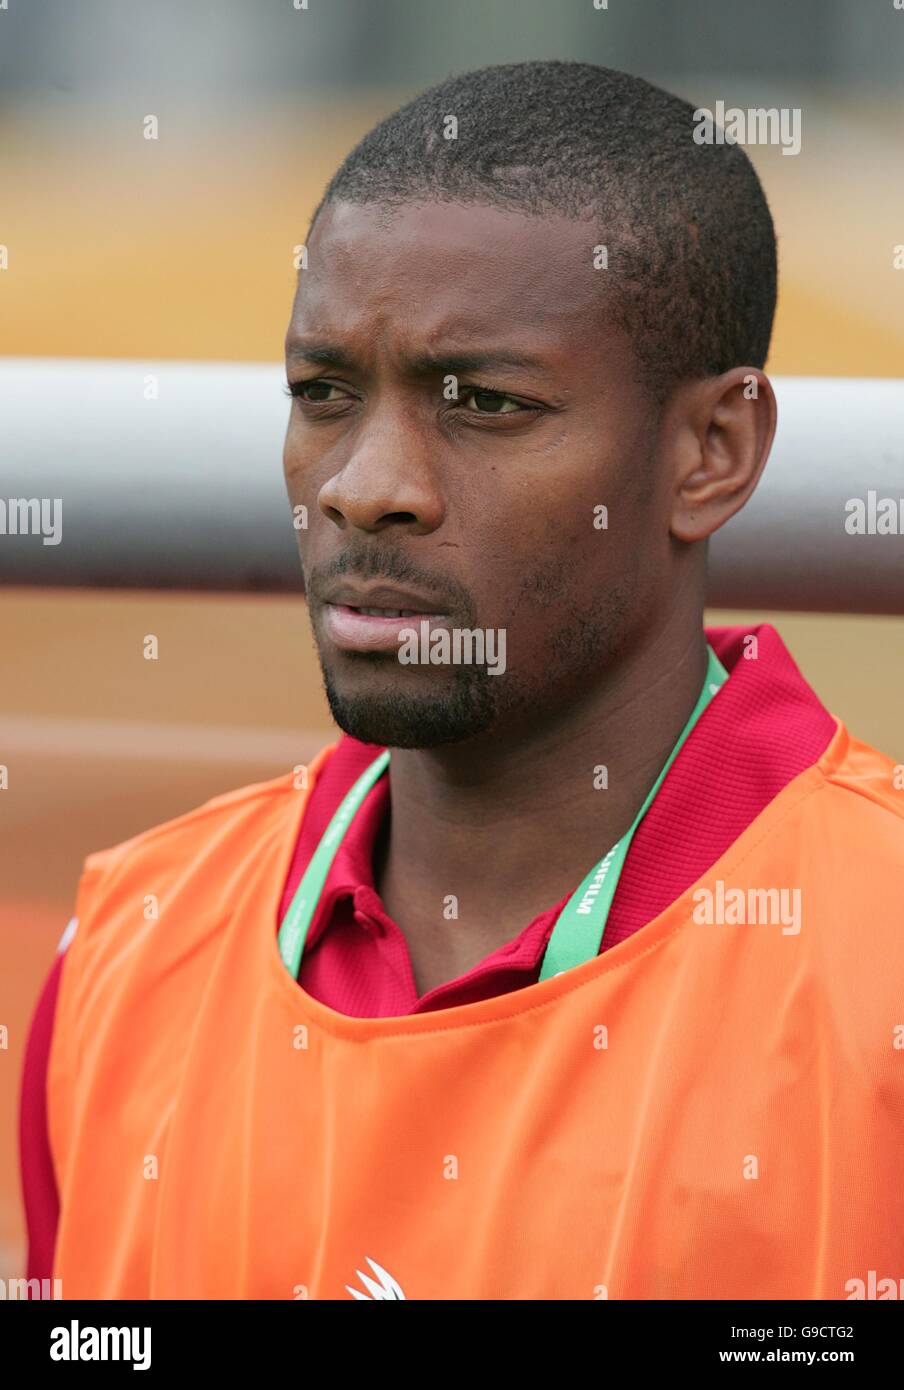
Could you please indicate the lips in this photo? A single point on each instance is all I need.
(355, 631)
(384, 596)
(371, 618)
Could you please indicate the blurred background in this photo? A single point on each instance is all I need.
(181, 248)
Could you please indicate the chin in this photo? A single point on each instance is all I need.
(404, 719)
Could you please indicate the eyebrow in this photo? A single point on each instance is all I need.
(323, 354)
(422, 364)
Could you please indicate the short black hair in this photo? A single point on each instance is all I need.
(690, 241)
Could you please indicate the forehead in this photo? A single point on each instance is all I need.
(446, 270)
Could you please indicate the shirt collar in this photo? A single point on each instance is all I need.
(764, 728)
(352, 868)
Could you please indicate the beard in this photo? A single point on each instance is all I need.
(468, 705)
(392, 706)
(472, 701)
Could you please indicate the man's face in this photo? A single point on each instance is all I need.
(479, 511)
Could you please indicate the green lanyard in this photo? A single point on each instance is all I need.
(578, 932)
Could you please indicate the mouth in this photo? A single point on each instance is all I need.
(373, 629)
(373, 621)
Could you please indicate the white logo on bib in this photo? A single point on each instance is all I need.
(386, 1288)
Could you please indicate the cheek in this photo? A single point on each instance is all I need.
(302, 452)
(526, 546)
(293, 469)
(587, 536)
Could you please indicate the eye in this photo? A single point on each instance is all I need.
(489, 402)
(314, 392)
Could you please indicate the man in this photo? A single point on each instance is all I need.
(559, 974)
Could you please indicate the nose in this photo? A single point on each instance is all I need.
(388, 480)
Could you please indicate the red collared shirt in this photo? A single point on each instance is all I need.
(766, 727)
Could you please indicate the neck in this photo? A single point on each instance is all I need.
(511, 824)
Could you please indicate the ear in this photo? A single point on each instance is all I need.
(720, 432)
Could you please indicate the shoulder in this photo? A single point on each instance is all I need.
(153, 906)
(866, 790)
(169, 864)
(203, 828)
(846, 854)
